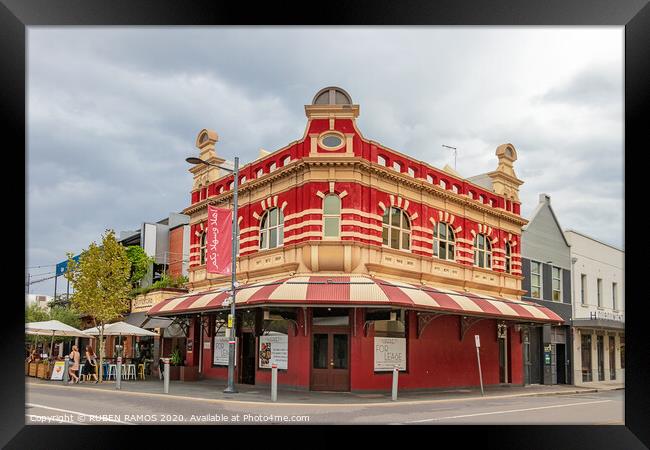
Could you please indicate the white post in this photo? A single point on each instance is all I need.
(66, 367)
(395, 381)
(118, 375)
(477, 341)
(166, 375)
(274, 383)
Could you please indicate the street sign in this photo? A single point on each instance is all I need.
(230, 320)
(477, 340)
(62, 267)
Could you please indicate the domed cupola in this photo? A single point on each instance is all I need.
(332, 102)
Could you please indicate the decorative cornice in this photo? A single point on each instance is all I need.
(363, 164)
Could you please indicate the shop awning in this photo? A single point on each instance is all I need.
(136, 318)
(357, 291)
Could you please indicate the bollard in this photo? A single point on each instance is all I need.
(118, 375)
(166, 375)
(274, 383)
(395, 375)
(66, 367)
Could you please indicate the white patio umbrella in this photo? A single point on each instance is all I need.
(120, 329)
(52, 328)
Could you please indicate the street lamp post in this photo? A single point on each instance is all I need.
(230, 389)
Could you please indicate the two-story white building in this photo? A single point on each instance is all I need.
(598, 322)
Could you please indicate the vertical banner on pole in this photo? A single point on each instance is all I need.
(219, 241)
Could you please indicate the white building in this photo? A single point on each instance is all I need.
(40, 300)
(598, 310)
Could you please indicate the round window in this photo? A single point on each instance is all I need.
(332, 141)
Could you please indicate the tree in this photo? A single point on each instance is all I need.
(102, 281)
(34, 313)
(140, 263)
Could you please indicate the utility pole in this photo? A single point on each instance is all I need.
(455, 153)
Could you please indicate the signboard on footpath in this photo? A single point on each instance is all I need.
(57, 370)
(274, 349)
(390, 352)
(221, 351)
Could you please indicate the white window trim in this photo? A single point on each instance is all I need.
(614, 296)
(541, 279)
(584, 299)
(599, 292)
(560, 280)
(486, 251)
(436, 241)
(268, 228)
(203, 241)
(389, 226)
(330, 216)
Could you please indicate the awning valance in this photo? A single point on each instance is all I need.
(357, 291)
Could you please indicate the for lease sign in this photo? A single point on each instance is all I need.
(390, 352)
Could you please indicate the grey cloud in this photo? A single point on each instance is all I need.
(113, 112)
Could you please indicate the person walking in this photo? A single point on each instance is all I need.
(75, 357)
(90, 364)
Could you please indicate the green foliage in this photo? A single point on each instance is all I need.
(34, 313)
(69, 316)
(140, 263)
(175, 358)
(166, 281)
(102, 282)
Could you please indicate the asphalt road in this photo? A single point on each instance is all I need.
(47, 405)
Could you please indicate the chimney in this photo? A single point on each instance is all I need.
(545, 198)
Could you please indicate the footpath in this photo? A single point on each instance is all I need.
(213, 390)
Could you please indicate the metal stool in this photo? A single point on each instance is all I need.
(141, 371)
(129, 372)
(112, 368)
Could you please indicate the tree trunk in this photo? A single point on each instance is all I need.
(101, 353)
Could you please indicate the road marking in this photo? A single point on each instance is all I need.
(507, 411)
(280, 404)
(76, 412)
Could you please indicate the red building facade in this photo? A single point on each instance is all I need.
(355, 258)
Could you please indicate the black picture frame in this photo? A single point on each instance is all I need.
(634, 15)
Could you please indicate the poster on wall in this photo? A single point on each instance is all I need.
(274, 349)
(57, 370)
(390, 352)
(220, 355)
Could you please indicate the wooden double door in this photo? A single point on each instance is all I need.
(330, 359)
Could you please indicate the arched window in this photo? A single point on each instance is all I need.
(508, 257)
(397, 166)
(444, 241)
(272, 229)
(454, 188)
(396, 229)
(482, 251)
(331, 216)
(381, 160)
(260, 172)
(443, 184)
(272, 167)
(411, 171)
(286, 160)
(202, 247)
(430, 179)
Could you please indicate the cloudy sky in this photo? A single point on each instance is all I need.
(114, 111)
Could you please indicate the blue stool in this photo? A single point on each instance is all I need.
(105, 371)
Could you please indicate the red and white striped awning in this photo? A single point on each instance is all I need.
(357, 291)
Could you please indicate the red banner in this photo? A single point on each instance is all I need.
(218, 243)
